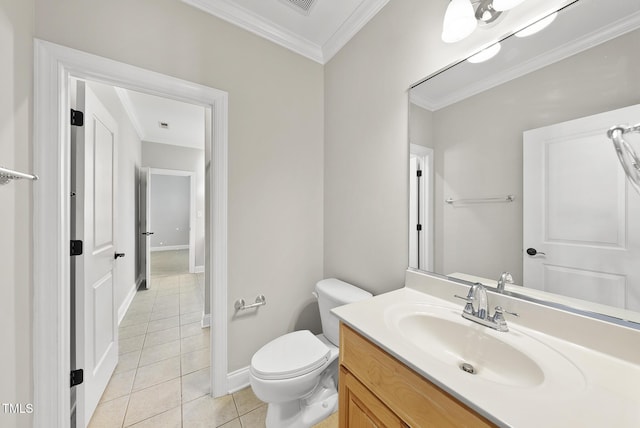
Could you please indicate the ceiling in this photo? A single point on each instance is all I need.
(185, 122)
(318, 33)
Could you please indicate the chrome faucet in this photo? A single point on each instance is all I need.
(505, 278)
(476, 309)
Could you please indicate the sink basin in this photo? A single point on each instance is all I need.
(469, 349)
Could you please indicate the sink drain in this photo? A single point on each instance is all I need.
(466, 367)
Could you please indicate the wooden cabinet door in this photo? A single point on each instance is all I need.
(360, 408)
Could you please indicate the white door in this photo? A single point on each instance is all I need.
(145, 225)
(96, 311)
(579, 210)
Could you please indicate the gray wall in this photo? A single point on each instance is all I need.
(487, 239)
(165, 156)
(170, 203)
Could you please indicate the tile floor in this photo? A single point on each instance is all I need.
(162, 377)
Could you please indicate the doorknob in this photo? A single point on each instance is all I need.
(533, 252)
(147, 233)
(116, 255)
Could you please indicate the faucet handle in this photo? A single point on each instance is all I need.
(499, 314)
(468, 299)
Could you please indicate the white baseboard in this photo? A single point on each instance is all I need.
(199, 269)
(122, 310)
(170, 248)
(206, 320)
(238, 380)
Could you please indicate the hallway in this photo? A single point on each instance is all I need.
(162, 378)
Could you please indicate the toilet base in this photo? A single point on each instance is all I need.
(303, 413)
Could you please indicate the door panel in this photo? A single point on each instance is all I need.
(96, 310)
(581, 213)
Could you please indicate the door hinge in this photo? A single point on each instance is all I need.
(76, 248)
(418, 227)
(419, 173)
(77, 118)
(77, 377)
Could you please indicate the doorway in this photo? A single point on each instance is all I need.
(54, 66)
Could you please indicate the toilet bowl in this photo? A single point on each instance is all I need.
(297, 373)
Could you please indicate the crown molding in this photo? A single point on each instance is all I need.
(358, 19)
(564, 51)
(275, 33)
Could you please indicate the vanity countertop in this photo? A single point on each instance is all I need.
(601, 390)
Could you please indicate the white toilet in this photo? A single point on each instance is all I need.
(297, 374)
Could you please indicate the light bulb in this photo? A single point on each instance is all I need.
(459, 21)
(485, 54)
(537, 26)
(503, 5)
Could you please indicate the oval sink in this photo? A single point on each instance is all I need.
(507, 358)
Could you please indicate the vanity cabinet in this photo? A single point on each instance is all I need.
(377, 390)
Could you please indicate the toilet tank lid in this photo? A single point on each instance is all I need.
(341, 291)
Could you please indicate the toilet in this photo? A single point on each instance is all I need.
(297, 374)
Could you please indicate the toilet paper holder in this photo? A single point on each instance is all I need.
(241, 305)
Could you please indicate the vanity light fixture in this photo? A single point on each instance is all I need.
(503, 5)
(485, 54)
(537, 26)
(463, 16)
(459, 21)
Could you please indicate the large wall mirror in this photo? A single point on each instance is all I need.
(512, 170)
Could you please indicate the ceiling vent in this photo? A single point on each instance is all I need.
(302, 6)
(163, 125)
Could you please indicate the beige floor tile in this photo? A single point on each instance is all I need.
(152, 401)
(331, 422)
(195, 360)
(169, 291)
(194, 343)
(163, 324)
(246, 401)
(128, 361)
(196, 384)
(119, 385)
(166, 313)
(185, 309)
(133, 319)
(233, 424)
(170, 419)
(109, 414)
(132, 330)
(208, 412)
(130, 344)
(255, 418)
(192, 329)
(162, 336)
(153, 354)
(156, 373)
(191, 317)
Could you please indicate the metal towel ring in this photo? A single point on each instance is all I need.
(627, 156)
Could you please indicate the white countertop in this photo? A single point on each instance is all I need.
(604, 391)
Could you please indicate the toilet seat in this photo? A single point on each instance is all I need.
(289, 356)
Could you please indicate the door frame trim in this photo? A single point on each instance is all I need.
(53, 65)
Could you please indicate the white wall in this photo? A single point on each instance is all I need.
(366, 139)
(16, 309)
(170, 210)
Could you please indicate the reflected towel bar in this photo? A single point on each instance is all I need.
(6, 175)
(508, 198)
(240, 304)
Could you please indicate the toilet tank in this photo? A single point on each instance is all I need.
(331, 294)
